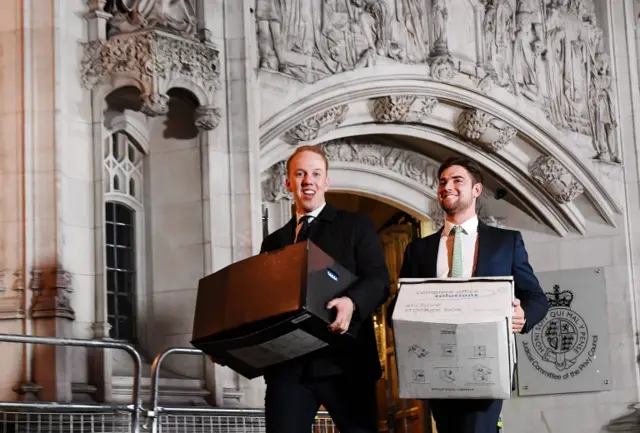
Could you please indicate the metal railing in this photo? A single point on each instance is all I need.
(25, 413)
(212, 420)
(28, 416)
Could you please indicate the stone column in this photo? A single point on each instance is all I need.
(12, 141)
(619, 21)
(48, 284)
(233, 160)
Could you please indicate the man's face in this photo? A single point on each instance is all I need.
(307, 180)
(457, 191)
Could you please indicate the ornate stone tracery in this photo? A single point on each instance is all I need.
(153, 60)
(403, 108)
(484, 129)
(51, 288)
(555, 178)
(318, 124)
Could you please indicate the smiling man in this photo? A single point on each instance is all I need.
(344, 381)
(465, 247)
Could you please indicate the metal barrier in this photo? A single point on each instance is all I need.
(22, 415)
(210, 420)
(26, 417)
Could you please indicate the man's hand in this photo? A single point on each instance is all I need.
(518, 317)
(344, 307)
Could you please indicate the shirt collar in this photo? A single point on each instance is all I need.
(312, 214)
(469, 226)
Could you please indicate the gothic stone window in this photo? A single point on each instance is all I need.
(123, 207)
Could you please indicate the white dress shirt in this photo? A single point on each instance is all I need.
(469, 248)
(313, 214)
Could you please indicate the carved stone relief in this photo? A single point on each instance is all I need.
(403, 108)
(310, 39)
(273, 187)
(317, 125)
(549, 53)
(51, 288)
(555, 178)
(440, 20)
(406, 163)
(11, 296)
(485, 130)
(176, 16)
(155, 104)
(207, 118)
(151, 59)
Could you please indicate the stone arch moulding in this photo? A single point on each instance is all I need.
(358, 165)
(540, 135)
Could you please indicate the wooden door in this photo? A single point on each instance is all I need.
(395, 415)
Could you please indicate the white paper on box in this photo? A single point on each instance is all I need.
(453, 339)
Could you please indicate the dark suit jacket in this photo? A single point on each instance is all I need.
(351, 239)
(501, 253)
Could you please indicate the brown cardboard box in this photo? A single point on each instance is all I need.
(270, 309)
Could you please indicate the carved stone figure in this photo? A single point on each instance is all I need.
(413, 35)
(177, 16)
(568, 62)
(603, 119)
(527, 51)
(440, 27)
(273, 187)
(270, 37)
(498, 33)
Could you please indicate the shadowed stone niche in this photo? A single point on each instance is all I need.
(155, 62)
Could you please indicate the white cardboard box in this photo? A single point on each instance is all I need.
(453, 338)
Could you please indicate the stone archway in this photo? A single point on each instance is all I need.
(376, 168)
(549, 177)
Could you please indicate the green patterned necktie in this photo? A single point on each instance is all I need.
(456, 261)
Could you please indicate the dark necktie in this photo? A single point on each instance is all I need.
(303, 233)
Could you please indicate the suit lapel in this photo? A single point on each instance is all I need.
(322, 225)
(431, 253)
(484, 250)
(318, 227)
(287, 233)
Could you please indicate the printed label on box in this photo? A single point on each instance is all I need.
(288, 346)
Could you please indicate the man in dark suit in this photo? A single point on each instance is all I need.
(466, 247)
(343, 380)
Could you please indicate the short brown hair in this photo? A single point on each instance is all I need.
(467, 164)
(307, 148)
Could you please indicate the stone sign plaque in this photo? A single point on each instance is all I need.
(568, 351)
